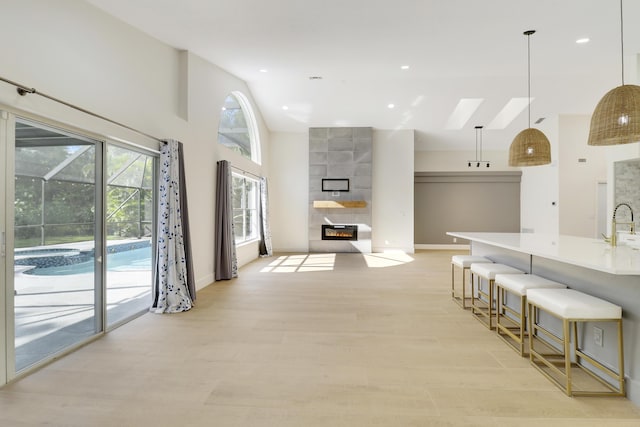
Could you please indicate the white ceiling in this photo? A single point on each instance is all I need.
(455, 49)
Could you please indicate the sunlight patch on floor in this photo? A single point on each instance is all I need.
(301, 263)
(387, 259)
(305, 263)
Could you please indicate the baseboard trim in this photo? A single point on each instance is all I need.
(442, 247)
(633, 390)
(203, 282)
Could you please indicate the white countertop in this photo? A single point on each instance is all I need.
(580, 251)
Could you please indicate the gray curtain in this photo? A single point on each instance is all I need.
(265, 231)
(186, 232)
(226, 263)
(174, 287)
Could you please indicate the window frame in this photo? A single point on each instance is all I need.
(252, 127)
(241, 237)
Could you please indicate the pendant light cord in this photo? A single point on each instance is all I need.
(476, 143)
(479, 147)
(622, 41)
(528, 34)
(480, 143)
(529, 74)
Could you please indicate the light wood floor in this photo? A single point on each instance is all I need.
(307, 341)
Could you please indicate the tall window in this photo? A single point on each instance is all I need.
(238, 130)
(245, 208)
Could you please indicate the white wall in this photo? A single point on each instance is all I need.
(393, 170)
(457, 161)
(579, 179)
(208, 86)
(73, 51)
(289, 191)
(539, 198)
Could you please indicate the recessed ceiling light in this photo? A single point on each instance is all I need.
(463, 112)
(315, 77)
(404, 67)
(264, 70)
(391, 106)
(583, 40)
(284, 107)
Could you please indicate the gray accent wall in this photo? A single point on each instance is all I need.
(465, 201)
(340, 153)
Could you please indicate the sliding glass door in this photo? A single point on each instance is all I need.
(76, 239)
(57, 241)
(130, 212)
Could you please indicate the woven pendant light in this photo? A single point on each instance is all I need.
(616, 119)
(530, 147)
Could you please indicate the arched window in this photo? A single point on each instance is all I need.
(238, 130)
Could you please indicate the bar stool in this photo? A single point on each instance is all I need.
(511, 323)
(572, 307)
(482, 309)
(464, 262)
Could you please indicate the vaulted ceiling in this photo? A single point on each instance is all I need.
(338, 62)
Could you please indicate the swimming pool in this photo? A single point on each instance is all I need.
(134, 260)
(61, 262)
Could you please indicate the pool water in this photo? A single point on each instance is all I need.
(133, 260)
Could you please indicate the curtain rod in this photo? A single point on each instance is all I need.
(24, 90)
(244, 172)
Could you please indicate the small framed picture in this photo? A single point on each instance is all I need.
(335, 184)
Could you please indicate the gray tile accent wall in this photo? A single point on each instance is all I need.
(340, 153)
(627, 189)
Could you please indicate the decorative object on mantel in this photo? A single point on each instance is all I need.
(335, 184)
(332, 204)
(479, 160)
(616, 119)
(530, 147)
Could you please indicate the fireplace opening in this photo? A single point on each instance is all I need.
(339, 232)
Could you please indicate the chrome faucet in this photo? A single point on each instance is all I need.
(614, 225)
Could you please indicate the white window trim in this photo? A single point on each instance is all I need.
(257, 201)
(254, 134)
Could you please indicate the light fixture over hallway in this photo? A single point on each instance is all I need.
(530, 147)
(616, 119)
(478, 161)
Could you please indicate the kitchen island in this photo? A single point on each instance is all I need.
(589, 265)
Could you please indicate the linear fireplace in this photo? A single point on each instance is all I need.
(339, 232)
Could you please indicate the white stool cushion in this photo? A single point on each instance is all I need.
(572, 304)
(520, 283)
(489, 271)
(465, 261)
